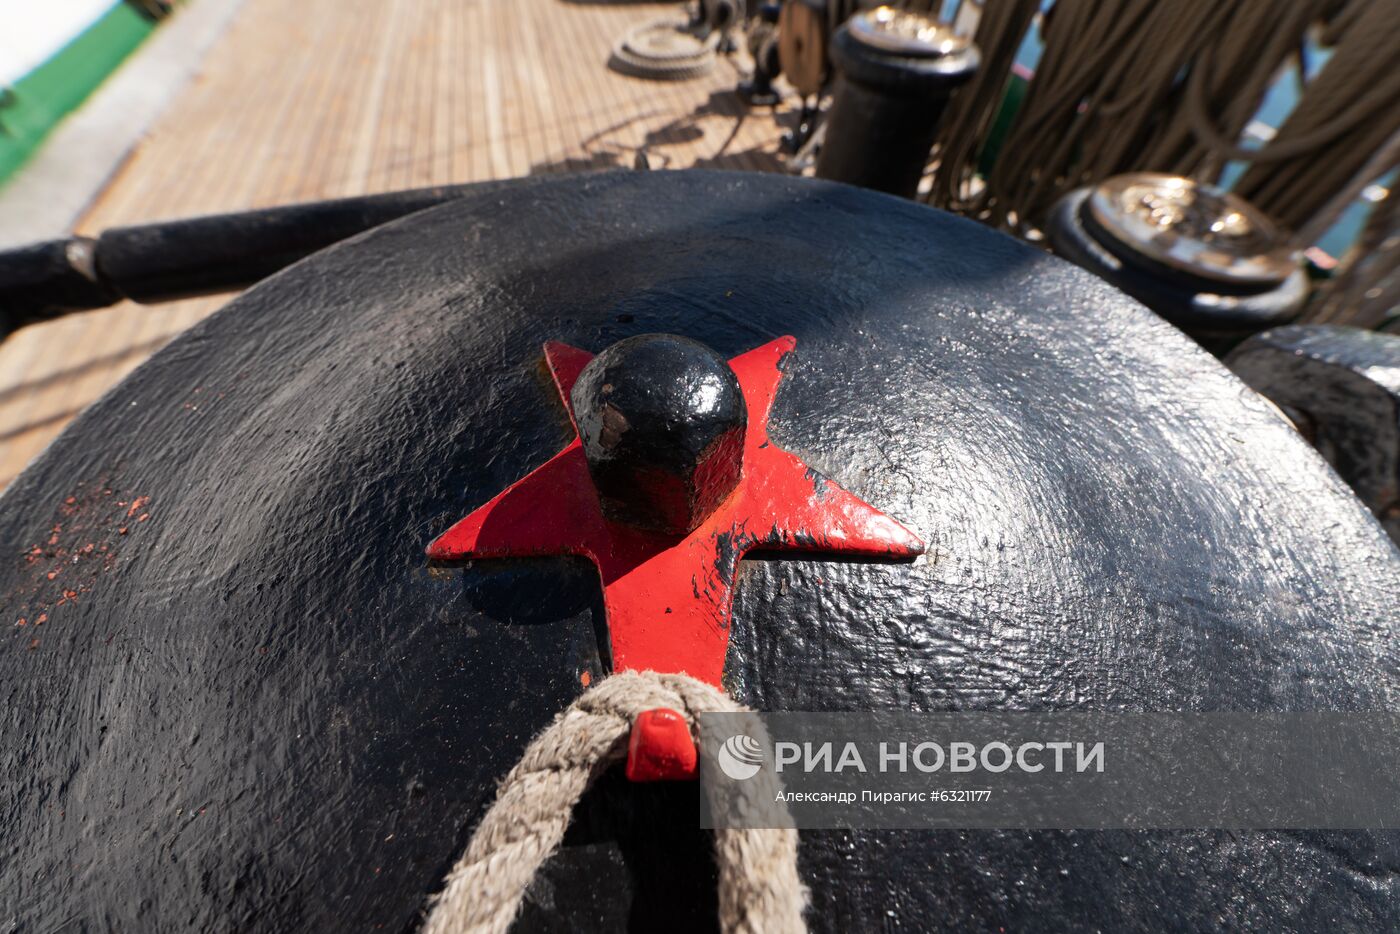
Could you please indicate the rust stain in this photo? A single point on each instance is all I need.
(76, 553)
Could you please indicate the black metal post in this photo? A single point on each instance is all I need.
(896, 72)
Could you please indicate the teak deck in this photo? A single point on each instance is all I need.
(326, 98)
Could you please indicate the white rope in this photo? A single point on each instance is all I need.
(759, 890)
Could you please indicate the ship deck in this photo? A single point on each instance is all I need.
(328, 98)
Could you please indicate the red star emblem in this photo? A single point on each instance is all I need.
(669, 599)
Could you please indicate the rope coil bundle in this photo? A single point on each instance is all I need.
(972, 112)
(759, 889)
(1345, 115)
(665, 50)
(1139, 85)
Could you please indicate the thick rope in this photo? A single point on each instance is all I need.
(759, 890)
(1344, 116)
(1130, 85)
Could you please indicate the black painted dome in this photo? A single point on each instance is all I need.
(251, 704)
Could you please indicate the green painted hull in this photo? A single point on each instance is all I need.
(39, 100)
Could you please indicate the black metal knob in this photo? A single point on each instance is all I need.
(662, 421)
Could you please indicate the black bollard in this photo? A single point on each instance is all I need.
(1204, 259)
(896, 72)
(1114, 526)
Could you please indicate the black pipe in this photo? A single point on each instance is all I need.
(197, 256)
(39, 281)
(886, 109)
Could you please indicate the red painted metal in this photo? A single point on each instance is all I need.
(661, 748)
(668, 599)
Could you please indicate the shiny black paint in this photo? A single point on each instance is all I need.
(1341, 386)
(266, 713)
(662, 419)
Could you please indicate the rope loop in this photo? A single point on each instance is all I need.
(759, 889)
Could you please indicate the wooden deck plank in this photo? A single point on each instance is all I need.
(325, 98)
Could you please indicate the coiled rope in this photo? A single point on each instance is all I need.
(666, 50)
(1107, 96)
(973, 110)
(1345, 115)
(759, 889)
(1137, 85)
